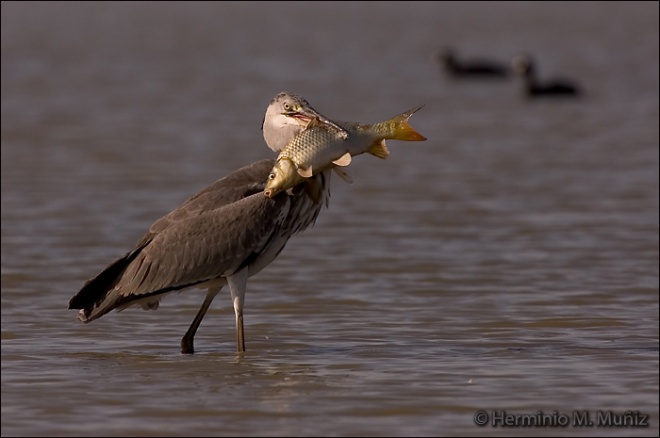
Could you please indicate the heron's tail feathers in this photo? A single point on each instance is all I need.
(98, 295)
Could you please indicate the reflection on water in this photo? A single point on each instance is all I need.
(508, 263)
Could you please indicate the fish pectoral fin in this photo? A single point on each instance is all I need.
(343, 174)
(379, 149)
(305, 172)
(344, 160)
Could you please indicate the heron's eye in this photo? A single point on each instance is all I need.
(287, 106)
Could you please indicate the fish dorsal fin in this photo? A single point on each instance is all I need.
(341, 132)
(305, 172)
(343, 174)
(344, 160)
(379, 149)
(327, 124)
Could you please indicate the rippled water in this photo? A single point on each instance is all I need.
(508, 264)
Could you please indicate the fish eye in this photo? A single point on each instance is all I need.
(271, 176)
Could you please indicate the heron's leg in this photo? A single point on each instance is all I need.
(189, 338)
(237, 284)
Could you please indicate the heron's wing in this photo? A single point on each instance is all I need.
(215, 217)
(215, 242)
(233, 187)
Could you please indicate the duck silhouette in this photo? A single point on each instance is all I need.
(474, 68)
(524, 65)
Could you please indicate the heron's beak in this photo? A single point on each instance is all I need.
(306, 115)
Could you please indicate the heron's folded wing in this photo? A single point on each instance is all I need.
(196, 248)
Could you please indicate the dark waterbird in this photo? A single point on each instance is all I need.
(524, 66)
(471, 68)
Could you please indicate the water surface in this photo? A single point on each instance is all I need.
(508, 264)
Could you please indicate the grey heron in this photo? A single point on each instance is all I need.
(223, 235)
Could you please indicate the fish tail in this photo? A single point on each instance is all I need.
(402, 129)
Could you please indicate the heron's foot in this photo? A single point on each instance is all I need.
(187, 346)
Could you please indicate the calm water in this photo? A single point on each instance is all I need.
(508, 264)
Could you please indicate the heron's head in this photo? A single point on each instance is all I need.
(287, 116)
(283, 175)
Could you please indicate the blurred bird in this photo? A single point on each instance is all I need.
(475, 68)
(220, 236)
(524, 66)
